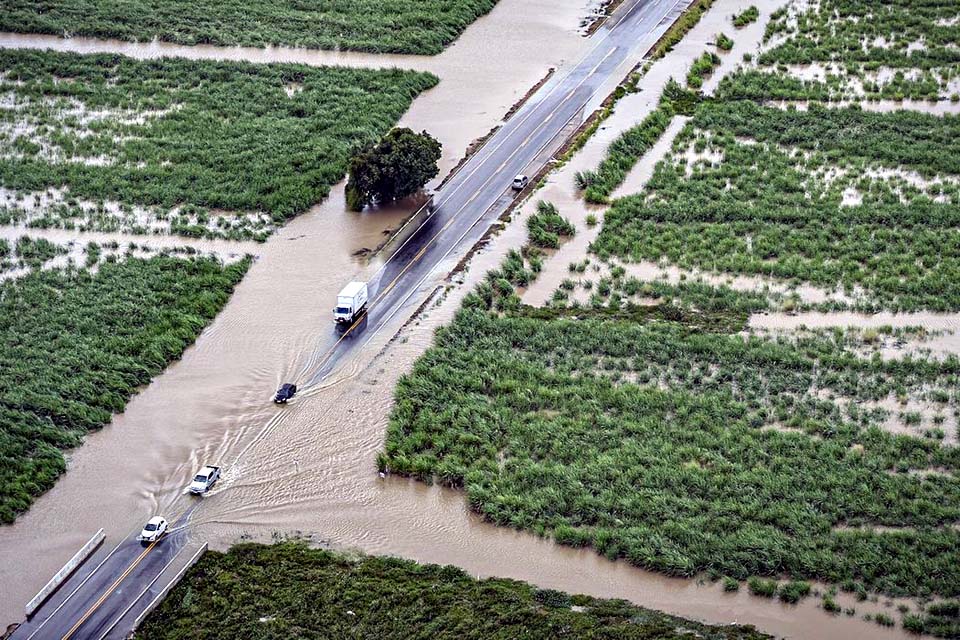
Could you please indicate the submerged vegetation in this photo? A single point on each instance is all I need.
(190, 136)
(76, 346)
(685, 451)
(745, 17)
(383, 26)
(623, 153)
(27, 253)
(864, 204)
(546, 226)
(687, 21)
(702, 68)
(644, 419)
(941, 619)
(289, 590)
(875, 50)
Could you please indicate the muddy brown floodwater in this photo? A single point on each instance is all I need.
(309, 467)
(212, 403)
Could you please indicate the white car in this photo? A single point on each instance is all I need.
(155, 529)
(520, 182)
(204, 479)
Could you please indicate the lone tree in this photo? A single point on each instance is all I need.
(397, 166)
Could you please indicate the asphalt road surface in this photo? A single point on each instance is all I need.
(480, 191)
(104, 597)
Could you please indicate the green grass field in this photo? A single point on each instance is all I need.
(889, 50)
(761, 191)
(74, 346)
(395, 26)
(686, 451)
(287, 590)
(201, 135)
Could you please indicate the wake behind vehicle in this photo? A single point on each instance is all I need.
(351, 303)
(204, 480)
(284, 393)
(155, 529)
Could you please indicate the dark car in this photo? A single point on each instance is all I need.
(284, 393)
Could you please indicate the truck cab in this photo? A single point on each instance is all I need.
(351, 303)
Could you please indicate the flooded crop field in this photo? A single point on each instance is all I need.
(488, 431)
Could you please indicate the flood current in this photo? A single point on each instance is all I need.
(308, 469)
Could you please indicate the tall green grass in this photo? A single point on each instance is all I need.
(74, 347)
(765, 208)
(287, 590)
(382, 26)
(745, 17)
(220, 135)
(623, 153)
(653, 443)
(858, 38)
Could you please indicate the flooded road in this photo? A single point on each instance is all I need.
(209, 405)
(310, 467)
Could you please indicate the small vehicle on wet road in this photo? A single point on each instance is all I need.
(204, 480)
(155, 529)
(284, 393)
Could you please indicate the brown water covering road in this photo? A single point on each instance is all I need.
(324, 451)
(310, 467)
(208, 406)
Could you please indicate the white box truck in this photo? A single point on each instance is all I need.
(351, 303)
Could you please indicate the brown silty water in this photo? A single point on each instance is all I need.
(209, 405)
(310, 466)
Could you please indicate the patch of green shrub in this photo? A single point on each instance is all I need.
(761, 587)
(74, 347)
(701, 69)
(745, 17)
(222, 135)
(724, 42)
(381, 26)
(546, 226)
(793, 591)
(288, 589)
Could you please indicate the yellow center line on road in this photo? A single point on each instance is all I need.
(453, 218)
(108, 592)
(329, 353)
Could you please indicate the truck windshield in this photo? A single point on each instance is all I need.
(343, 309)
(200, 479)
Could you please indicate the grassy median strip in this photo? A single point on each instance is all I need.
(382, 26)
(288, 590)
(75, 345)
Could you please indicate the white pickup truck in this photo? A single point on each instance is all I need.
(204, 479)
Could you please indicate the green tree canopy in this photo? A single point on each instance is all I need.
(396, 167)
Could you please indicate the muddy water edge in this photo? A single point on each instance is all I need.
(208, 406)
(312, 472)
